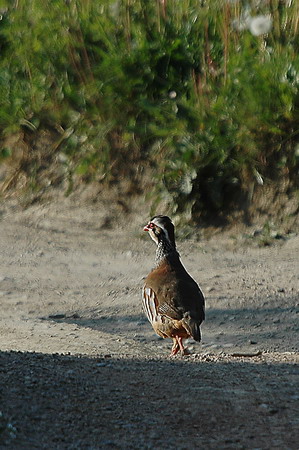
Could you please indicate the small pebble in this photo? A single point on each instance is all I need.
(264, 406)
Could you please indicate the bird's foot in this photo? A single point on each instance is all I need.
(175, 348)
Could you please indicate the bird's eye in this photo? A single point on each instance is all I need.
(151, 225)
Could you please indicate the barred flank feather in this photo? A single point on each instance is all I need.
(149, 304)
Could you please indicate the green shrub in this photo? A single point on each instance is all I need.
(197, 90)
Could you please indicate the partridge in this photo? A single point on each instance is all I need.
(172, 300)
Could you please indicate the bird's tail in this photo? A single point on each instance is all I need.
(192, 326)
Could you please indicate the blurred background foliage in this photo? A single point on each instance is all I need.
(205, 94)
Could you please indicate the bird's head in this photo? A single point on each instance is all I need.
(161, 228)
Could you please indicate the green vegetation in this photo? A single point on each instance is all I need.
(206, 93)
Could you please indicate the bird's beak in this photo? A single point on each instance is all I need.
(146, 228)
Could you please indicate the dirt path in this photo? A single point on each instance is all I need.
(80, 367)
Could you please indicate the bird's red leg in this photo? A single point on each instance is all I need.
(175, 347)
(184, 351)
(178, 345)
(180, 342)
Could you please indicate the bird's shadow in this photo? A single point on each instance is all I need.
(223, 327)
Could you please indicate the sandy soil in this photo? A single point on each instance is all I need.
(81, 368)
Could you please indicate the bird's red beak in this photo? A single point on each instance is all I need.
(148, 227)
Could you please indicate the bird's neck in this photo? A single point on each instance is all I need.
(165, 250)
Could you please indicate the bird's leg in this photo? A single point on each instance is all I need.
(178, 345)
(175, 347)
(184, 351)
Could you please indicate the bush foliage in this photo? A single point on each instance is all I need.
(204, 92)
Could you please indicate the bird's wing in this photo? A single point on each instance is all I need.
(153, 308)
(170, 311)
(191, 298)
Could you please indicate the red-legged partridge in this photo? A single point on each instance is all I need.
(172, 300)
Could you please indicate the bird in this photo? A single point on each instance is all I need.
(172, 300)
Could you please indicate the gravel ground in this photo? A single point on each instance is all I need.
(81, 368)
